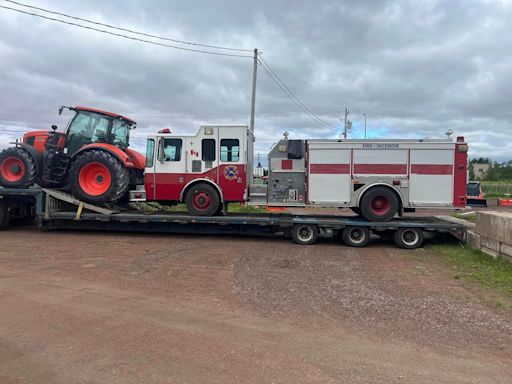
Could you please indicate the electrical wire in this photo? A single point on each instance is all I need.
(123, 36)
(291, 95)
(128, 30)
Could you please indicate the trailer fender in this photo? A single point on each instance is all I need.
(201, 180)
(116, 152)
(367, 187)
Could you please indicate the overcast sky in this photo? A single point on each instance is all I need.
(416, 68)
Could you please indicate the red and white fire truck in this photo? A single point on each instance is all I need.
(376, 178)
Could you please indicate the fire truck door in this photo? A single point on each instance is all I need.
(170, 168)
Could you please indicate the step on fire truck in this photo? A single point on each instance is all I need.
(376, 178)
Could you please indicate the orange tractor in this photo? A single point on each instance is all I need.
(91, 157)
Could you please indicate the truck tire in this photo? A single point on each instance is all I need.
(356, 236)
(379, 204)
(304, 234)
(4, 215)
(408, 238)
(98, 177)
(17, 168)
(202, 200)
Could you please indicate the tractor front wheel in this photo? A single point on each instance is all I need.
(17, 168)
(98, 177)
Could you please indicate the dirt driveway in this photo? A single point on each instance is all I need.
(125, 308)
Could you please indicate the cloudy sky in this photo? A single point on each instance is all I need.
(416, 68)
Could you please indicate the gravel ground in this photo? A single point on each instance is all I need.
(135, 308)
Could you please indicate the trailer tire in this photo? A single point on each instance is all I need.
(202, 200)
(17, 168)
(304, 234)
(408, 238)
(4, 215)
(356, 236)
(379, 204)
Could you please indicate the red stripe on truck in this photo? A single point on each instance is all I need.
(329, 169)
(380, 169)
(432, 169)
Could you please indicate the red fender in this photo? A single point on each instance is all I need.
(119, 153)
(138, 160)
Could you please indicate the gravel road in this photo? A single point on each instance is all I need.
(134, 308)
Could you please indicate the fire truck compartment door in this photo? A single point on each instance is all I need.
(431, 178)
(328, 174)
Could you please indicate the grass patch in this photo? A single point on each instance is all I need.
(153, 207)
(492, 276)
(469, 216)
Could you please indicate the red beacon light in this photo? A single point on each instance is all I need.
(165, 130)
(460, 139)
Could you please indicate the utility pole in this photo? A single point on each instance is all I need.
(254, 75)
(347, 123)
(364, 114)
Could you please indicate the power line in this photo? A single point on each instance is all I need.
(128, 30)
(123, 36)
(290, 94)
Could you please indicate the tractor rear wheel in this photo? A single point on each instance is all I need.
(17, 168)
(98, 177)
(202, 200)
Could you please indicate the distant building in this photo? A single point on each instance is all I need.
(480, 170)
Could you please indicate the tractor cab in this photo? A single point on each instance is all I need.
(90, 126)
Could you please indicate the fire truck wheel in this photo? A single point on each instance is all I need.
(408, 238)
(4, 215)
(202, 200)
(356, 236)
(304, 234)
(17, 168)
(379, 204)
(97, 177)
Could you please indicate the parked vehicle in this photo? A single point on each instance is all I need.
(91, 157)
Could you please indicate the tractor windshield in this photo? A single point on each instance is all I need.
(91, 127)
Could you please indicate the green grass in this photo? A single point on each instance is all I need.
(497, 188)
(469, 216)
(493, 277)
(181, 208)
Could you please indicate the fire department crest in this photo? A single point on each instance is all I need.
(231, 172)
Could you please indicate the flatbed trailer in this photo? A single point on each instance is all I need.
(53, 210)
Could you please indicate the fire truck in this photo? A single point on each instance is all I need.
(377, 179)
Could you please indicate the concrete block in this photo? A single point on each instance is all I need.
(495, 225)
(491, 244)
(473, 239)
(506, 250)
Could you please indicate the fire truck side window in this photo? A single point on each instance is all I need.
(150, 153)
(172, 149)
(229, 150)
(208, 149)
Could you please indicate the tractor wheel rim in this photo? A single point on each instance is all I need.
(95, 179)
(410, 237)
(357, 236)
(12, 169)
(202, 200)
(304, 233)
(380, 205)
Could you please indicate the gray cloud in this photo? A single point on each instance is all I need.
(415, 68)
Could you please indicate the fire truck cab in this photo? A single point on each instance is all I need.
(204, 170)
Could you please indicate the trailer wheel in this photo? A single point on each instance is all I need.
(17, 168)
(379, 204)
(356, 236)
(4, 216)
(304, 234)
(408, 238)
(202, 200)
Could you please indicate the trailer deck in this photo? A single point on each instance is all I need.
(57, 210)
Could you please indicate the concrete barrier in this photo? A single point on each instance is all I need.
(493, 233)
